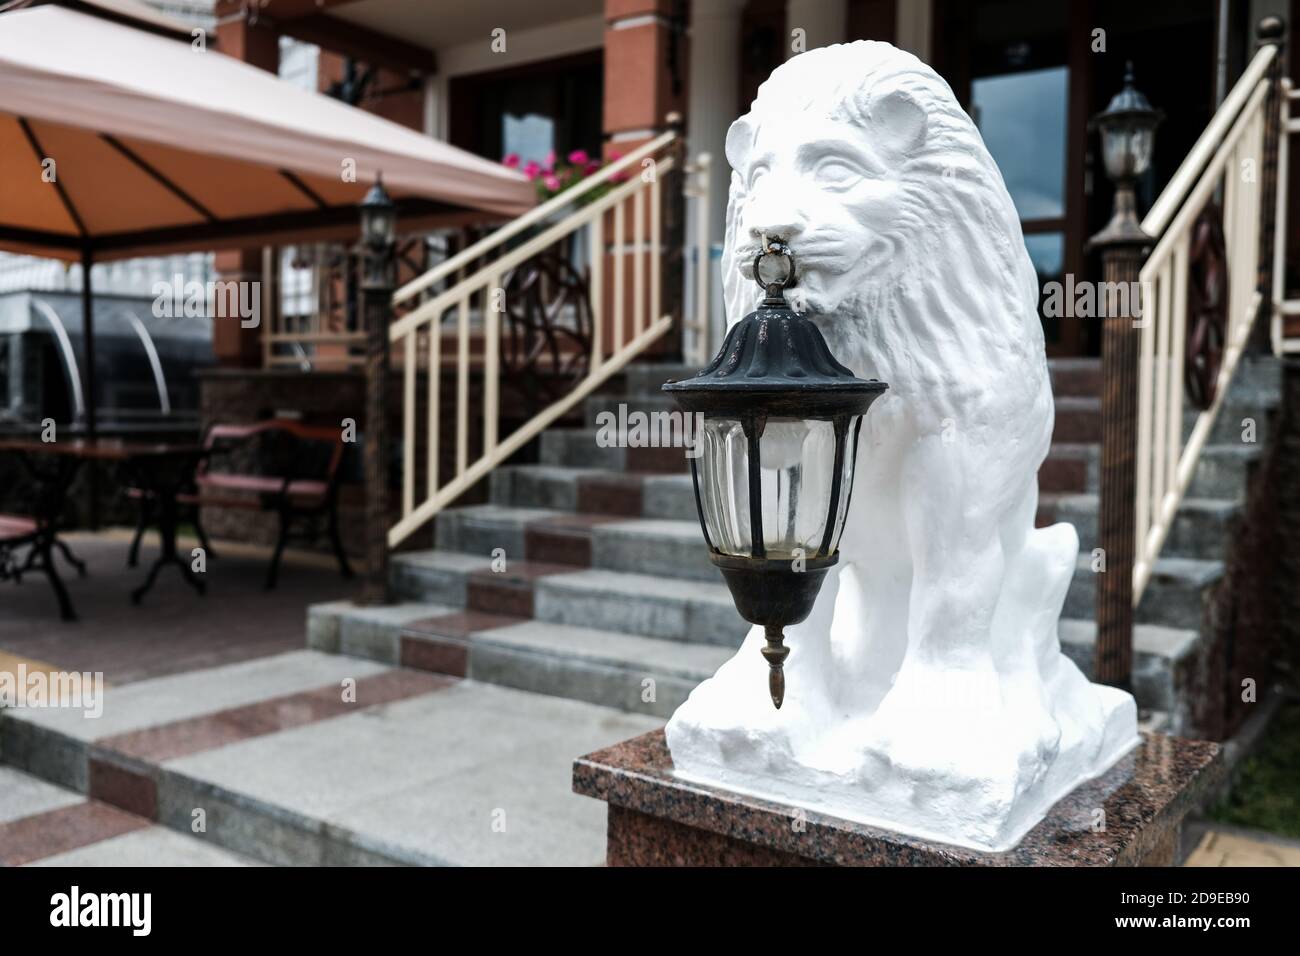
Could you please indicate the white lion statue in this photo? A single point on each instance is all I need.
(927, 691)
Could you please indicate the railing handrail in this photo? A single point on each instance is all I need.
(1188, 174)
(1201, 188)
(533, 216)
(433, 309)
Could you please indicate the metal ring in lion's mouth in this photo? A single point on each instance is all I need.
(775, 247)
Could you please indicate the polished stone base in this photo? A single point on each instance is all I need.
(1129, 816)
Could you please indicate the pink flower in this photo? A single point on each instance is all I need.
(579, 157)
(550, 160)
(614, 155)
(591, 167)
(511, 161)
(532, 170)
(552, 183)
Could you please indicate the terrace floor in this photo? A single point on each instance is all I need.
(174, 629)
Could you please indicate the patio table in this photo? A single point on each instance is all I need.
(161, 469)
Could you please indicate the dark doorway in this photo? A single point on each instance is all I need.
(1031, 74)
(530, 110)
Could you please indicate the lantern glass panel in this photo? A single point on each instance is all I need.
(1142, 145)
(1116, 153)
(846, 480)
(796, 460)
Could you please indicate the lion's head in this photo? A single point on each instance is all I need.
(860, 158)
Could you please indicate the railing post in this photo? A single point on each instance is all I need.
(1123, 247)
(674, 236)
(378, 224)
(1270, 30)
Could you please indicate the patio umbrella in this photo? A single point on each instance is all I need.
(118, 142)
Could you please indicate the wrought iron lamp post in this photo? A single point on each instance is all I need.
(378, 233)
(1127, 127)
(779, 440)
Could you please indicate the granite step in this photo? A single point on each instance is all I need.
(662, 547)
(620, 406)
(43, 824)
(1077, 377)
(311, 759)
(595, 491)
(1200, 527)
(587, 448)
(626, 602)
(628, 672)
(646, 378)
(1222, 471)
(669, 549)
(1177, 595)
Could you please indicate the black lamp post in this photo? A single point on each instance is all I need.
(378, 233)
(1128, 137)
(779, 441)
(1127, 128)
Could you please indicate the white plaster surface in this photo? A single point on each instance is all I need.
(927, 692)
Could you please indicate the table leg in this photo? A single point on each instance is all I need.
(165, 502)
(52, 490)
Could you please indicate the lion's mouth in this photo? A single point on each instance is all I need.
(811, 254)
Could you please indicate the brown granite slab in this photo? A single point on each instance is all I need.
(67, 828)
(657, 819)
(193, 735)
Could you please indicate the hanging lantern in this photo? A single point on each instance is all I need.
(779, 439)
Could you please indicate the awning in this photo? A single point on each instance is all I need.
(158, 147)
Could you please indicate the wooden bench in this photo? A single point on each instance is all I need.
(276, 465)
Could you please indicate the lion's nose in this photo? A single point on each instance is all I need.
(786, 229)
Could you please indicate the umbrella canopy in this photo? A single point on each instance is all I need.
(116, 142)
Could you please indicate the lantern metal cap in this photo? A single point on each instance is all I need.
(1128, 103)
(774, 351)
(377, 196)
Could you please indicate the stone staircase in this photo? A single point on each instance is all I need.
(585, 576)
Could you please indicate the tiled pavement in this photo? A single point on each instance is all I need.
(174, 629)
(1232, 847)
(307, 758)
(45, 825)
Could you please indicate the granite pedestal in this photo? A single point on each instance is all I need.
(1129, 816)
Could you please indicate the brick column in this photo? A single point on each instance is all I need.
(645, 82)
(1122, 258)
(256, 43)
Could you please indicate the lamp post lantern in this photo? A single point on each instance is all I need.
(1127, 127)
(774, 474)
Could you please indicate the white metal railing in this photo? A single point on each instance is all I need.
(696, 342)
(621, 222)
(302, 313)
(1283, 308)
(1228, 158)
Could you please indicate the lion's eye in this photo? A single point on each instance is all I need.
(837, 173)
(758, 173)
